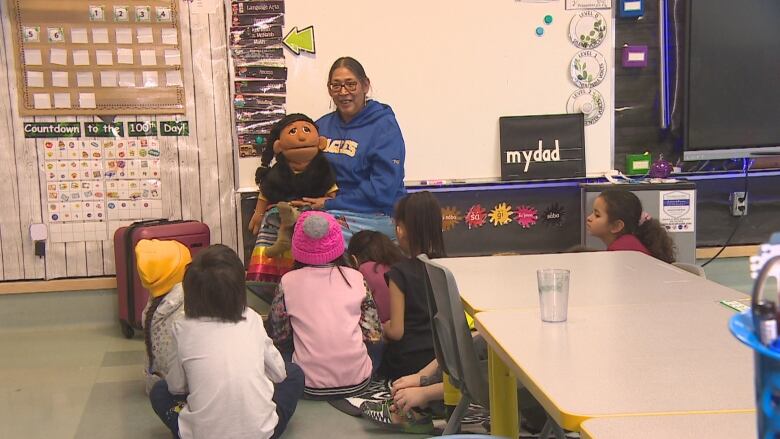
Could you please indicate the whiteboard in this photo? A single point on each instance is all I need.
(449, 69)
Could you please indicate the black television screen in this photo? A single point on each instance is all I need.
(732, 106)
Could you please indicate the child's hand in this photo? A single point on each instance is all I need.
(316, 203)
(406, 399)
(405, 383)
(299, 203)
(255, 222)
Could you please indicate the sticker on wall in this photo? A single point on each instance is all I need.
(677, 213)
(526, 216)
(476, 216)
(501, 215)
(587, 29)
(554, 216)
(588, 4)
(450, 217)
(588, 68)
(587, 101)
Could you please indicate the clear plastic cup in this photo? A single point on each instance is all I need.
(553, 293)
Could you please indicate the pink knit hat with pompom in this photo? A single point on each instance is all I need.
(317, 239)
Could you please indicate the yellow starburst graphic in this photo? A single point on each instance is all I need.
(501, 215)
(450, 216)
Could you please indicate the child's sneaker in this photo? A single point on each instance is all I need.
(380, 413)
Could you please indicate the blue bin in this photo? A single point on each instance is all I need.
(767, 376)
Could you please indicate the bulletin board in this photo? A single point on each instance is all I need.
(87, 57)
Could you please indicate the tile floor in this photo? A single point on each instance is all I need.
(72, 381)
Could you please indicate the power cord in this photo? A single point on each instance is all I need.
(746, 163)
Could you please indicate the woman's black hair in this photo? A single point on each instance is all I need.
(625, 206)
(214, 285)
(337, 263)
(370, 245)
(267, 153)
(350, 64)
(420, 215)
(153, 305)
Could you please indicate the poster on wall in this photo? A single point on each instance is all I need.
(104, 180)
(81, 57)
(677, 212)
(260, 75)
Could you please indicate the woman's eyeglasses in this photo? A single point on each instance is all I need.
(335, 87)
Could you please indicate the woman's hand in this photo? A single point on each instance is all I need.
(316, 203)
(255, 222)
(405, 382)
(299, 203)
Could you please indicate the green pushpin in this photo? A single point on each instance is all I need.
(548, 19)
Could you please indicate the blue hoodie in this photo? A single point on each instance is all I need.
(367, 154)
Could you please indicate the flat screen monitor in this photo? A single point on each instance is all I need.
(732, 104)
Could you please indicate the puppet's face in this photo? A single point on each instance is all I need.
(298, 141)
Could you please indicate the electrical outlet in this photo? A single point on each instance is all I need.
(739, 203)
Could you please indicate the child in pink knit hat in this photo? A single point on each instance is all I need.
(324, 313)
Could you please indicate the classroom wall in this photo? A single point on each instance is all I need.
(449, 69)
(198, 170)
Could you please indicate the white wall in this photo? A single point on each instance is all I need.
(449, 69)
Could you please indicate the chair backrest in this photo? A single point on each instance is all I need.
(691, 268)
(451, 335)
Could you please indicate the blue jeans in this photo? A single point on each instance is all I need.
(286, 396)
(353, 222)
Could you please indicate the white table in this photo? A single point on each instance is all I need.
(597, 278)
(703, 426)
(617, 360)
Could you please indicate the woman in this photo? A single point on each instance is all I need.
(366, 150)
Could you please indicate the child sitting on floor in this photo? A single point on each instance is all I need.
(373, 253)
(161, 266)
(324, 308)
(618, 220)
(227, 380)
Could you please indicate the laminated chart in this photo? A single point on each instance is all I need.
(87, 57)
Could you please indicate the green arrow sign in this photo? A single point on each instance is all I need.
(302, 40)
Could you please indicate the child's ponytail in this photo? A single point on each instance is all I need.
(654, 236)
(153, 305)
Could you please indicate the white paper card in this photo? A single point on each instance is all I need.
(173, 78)
(81, 57)
(108, 79)
(151, 79)
(87, 100)
(41, 101)
(59, 79)
(145, 35)
(100, 35)
(104, 57)
(172, 57)
(124, 56)
(124, 35)
(61, 100)
(32, 57)
(78, 36)
(35, 79)
(633, 56)
(85, 79)
(127, 79)
(632, 6)
(169, 36)
(59, 57)
(148, 58)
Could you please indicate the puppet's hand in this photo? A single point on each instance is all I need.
(316, 203)
(255, 222)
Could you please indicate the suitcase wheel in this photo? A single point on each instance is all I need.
(127, 330)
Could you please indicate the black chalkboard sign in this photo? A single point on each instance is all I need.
(542, 147)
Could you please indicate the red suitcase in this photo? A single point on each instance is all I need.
(132, 296)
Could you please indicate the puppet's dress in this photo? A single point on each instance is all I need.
(264, 272)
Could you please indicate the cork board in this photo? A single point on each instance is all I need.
(97, 57)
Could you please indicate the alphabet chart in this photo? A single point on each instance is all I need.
(96, 186)
(88, 57)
